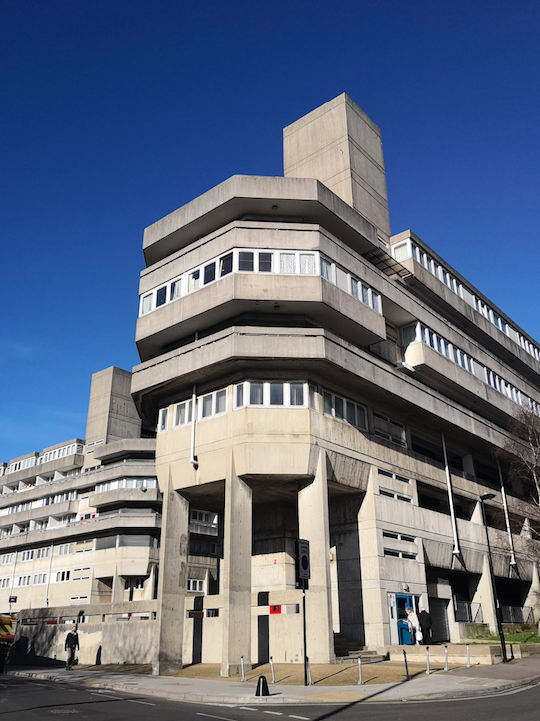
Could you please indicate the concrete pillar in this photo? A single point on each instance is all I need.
(313, 525)
(236, 575)
(118, 588)
(484, 595)
(533, 597)
(173, 567)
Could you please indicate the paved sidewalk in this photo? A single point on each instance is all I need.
(456, 683)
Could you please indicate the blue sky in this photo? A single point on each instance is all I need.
(116, 112)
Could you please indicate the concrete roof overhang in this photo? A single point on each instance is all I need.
(274, 198)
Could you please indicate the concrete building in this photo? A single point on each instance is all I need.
(313, 376)
(80, 527)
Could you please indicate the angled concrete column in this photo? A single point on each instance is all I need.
(173, 566)
(236, 574)
(484, 595)
(314, 526)
(118, 588)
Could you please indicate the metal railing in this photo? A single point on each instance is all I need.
(468, 612)
(517, 614)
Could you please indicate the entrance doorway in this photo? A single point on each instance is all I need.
(399, 628)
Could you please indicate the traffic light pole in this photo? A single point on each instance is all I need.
(305, 631)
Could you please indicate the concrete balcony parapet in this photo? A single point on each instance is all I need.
(136, 468)
(119, 522)
(126, 496)
(275, 296)
(275, 198)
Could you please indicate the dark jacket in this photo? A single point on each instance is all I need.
(424, 619)
(72, 640)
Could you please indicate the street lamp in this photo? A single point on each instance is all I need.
(489, 497)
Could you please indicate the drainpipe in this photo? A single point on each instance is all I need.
(193, 459)
(513, 561)
(49, 577)
(456, 550)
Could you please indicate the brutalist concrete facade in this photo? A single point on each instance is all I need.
(312, 376)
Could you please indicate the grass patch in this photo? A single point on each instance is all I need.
(519, 637)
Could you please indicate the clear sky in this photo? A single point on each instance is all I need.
(117, 112)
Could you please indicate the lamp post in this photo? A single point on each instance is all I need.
(488, 497)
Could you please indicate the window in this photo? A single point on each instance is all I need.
(193, 281)
(65, 549)
(27, 555)
(161, 296)
(313, 397)
(7, 558)
(212, 612)
(195, 584)
(265, 262)
(226, 265)
(40, 579)
(239, 395)
(401, 252)
(344, 409)
(399, 536)
(245, 261)
(276, 394)
(307, 263)
(326, 269)
(183, 413)
(221, 401)
(176, 289)
(397, 496)
(395, 476)
(400, 554)
(209, 273)
(163, 416)
(256, 394)
(389, 429)
(61, 576)
(207, 406)
(146, 306)
(23, 581)
(297, 394)
(354, 287)
(5, 582)
(287, 263)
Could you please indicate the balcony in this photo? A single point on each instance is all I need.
(467, 612)
(120, 521)
(270, 297)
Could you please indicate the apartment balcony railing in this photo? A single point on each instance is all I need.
(517, 614)
(468, 612)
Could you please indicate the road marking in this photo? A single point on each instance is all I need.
(303, 718)
(145, 703)
(247, 708)
(274, 713)
(221, 718)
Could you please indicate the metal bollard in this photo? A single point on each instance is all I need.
(272, 669)
(242, 667)
(406, 667)
(468, 656)
(427, 661)
(310, 682)
(360, 682)
(446, 657)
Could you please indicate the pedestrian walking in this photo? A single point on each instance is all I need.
(71, 646)
(424, 618)
(414, 626)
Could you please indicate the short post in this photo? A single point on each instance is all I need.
(242, 667)
(360, 682)
(272, 669)
(468, 656)
(310, 681)
(406, 667)
(445, 657)
(427, 661)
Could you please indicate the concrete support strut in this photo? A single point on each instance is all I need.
(314, 526)
(236, 574)
(172, 583)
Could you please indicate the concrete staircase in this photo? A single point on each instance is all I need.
(347, 650)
